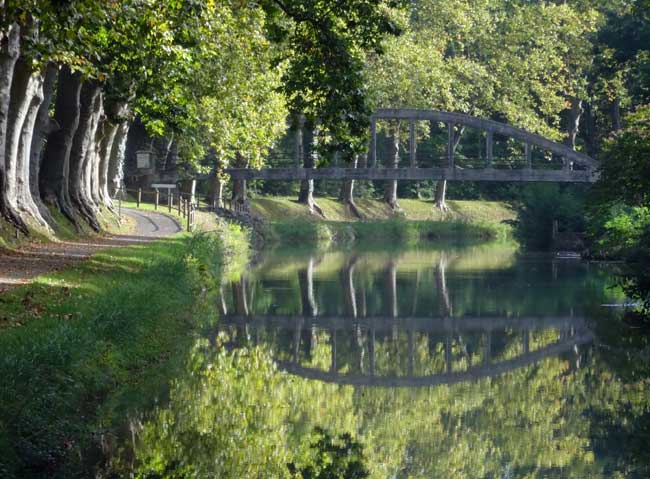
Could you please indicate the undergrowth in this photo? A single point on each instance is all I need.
(75, 343)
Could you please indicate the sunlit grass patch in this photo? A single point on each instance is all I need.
(75, 341)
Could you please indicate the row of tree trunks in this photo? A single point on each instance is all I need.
(67, 161)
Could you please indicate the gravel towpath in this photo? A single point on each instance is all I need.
(17, 268)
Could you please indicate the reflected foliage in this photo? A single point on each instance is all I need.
(233, 413)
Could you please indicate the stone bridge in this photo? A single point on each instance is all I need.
(573, 167)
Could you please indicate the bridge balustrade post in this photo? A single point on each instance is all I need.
(489, 152)
(412, 145)
(528, 155)
(372, 154)
(450, 145)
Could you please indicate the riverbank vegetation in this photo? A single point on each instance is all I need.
(76, 343)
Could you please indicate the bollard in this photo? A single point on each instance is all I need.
(139, 197)
(170, 200)
(157, 199)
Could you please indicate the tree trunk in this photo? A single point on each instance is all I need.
(590, 129)
(93, 161)
(390, 191)
(116, 163)
(441, 186)
(43, 126)
(9, 52)
(105, 147)
(347, 191)
(216, 187)
(306, 195)
(24, 87)
(115, 112)
(573, 122)
(55, 169)
(239, 196)
(441, 193)
(25, 201)
(79, 153)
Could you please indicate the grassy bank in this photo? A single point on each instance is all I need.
(77, 343)
(291, 222)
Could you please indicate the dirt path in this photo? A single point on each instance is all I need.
(37, 259)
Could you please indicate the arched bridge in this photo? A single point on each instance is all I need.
(559, 162)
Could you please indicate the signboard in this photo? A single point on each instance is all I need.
(144, 160)
(165, 186)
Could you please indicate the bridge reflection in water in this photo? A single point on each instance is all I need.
(392, 344)
(569, 332)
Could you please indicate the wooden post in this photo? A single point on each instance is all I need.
(372, 154)
(450, 145)
(529, 156)
(180, 199)
(170, 200)
(189, 216)
(139, 197)
(157, 198)
(488, 149)
(412, 146)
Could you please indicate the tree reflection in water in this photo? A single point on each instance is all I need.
(530, 375)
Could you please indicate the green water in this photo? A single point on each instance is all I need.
(443, 362)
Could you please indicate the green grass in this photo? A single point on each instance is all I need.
(76, 344)
(277, 208)
(291, 222)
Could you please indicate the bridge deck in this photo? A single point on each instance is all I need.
(417, 174)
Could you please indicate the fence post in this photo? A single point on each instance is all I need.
(139, 197)
(170, 200)
(157, 199)
(189, 216)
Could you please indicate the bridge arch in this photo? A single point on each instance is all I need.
(578, 167)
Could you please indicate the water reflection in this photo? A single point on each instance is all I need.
(527, 376)
(411, 318)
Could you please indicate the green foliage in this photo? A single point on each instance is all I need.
(332, 458)
(325, 47)
(543, 203)
(625, 163)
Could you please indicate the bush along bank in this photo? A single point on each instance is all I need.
(315, 232)
(78, 345)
